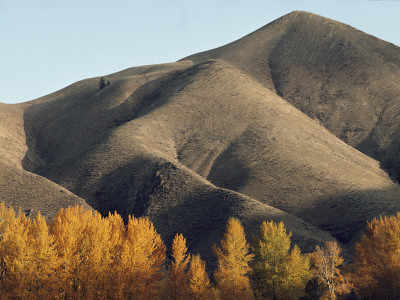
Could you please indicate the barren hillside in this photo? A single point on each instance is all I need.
(266, 127)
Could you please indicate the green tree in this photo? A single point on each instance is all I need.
(278, 272)
(102, 83)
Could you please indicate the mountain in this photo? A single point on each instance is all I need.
(296, 122)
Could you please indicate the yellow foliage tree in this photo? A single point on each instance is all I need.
(116, 241)
(142, 259)
(326, 261)
(16, 254)
(178, 278)
(68, 230)
(377, 259)
(233, 263)
(278, 272)
(96, 257)
(42, 279)
(7, 215)
(199, 282)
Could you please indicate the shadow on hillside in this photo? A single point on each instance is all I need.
(127, 189)
(345, 216)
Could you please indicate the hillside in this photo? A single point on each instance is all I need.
(267, 127)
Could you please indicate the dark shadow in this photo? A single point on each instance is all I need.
(345, 216)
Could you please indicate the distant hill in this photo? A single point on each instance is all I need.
(297, 121)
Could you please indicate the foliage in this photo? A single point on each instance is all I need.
(142, 259)
(326, 261)
(199, 282)
(233, 263)
(377, 259)
(102, 83)
(178, 278)
(278, 272)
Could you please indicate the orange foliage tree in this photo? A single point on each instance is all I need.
(326, 261)
(233, 263)
(377, 260)
(199, 283)
(44, 260)
(16, 254)
(68, 230)
(178, 278)
(141, 261)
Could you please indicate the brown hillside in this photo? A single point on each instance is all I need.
(338, 75)
(242, 130)
(19, 187)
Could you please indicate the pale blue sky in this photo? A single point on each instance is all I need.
(46, 45)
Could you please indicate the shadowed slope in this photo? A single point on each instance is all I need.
(19, 188)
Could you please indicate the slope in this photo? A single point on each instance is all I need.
(217, 129)
(340, 76)
(18, 187)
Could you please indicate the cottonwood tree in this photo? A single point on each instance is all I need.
(233, 263)
(326, 261)
(377, 259)
(278, 272)
(178, 277)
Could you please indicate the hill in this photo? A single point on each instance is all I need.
(268, 127)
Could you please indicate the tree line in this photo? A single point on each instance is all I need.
(82, 255)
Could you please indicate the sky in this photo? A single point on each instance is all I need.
(46, 45)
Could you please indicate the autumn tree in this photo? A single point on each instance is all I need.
(68, 230)
(15, 253)
(142, 259)
(377, 259)
(41, 279)
(233, 263)
(326, 261)
(199, 283)
(278, 272)
(7, 215)
(115, 244)
(178, 277)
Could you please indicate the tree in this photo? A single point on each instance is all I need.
(42, 278)
(142, 259)
(116, 242)
(377, 259)
(326, 261)
(178, 278)
(199, 285)
(68, 230)
(233, 263)
(15, 253)
(278, 272)
(102, 83)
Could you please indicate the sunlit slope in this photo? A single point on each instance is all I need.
(217, 127)
(338, 75)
